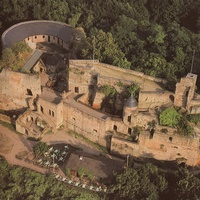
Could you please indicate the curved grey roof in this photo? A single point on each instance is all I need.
(20, 31)
(131, 102)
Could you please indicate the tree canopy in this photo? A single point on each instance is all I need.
(15, 56)
(144, 183)
(17, 183)
(148, 182)
(175, 118)
(157, 38)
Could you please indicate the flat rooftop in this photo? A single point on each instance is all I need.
(85, 109)
(100, 166)
(32, 60)
(20, 31)
(50, 96)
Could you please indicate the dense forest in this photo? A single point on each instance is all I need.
(155, 37)
(17, 183)
(158, 38)
(145, 182)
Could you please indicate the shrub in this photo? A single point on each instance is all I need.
(84, 171)
(164, 130)
(108, 90)
(170, 117)
(194, 118)
(67, 171)
(131, 89)
(151, 124)
(161, 146)
(15, 56)
(40, 148)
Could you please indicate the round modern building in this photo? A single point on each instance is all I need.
(36, 31)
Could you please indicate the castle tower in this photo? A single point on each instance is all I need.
(130, 108)
(185, 90)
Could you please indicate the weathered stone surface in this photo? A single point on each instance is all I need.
(72, 111)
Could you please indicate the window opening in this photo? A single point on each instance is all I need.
(29, 92)
(94, 131)
(115, 128)
(129, 131)
(151, 133)
(76, 90)
(41, 108)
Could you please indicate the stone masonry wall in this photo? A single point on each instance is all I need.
(102, 67)
(13, 89)
(52, 113)
(161, 147)
(152, 99)
(79, 79)
(85, 124)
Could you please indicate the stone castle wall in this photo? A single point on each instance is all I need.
(125, 74)
(79, 80)
(80, 121)
(161, 146)
(152, 99)
(18, 90)
(52, 113)
(5, 118)
(45, 38)
(15, 89)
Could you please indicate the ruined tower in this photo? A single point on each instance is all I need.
(185, 90)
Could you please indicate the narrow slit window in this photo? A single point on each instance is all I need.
(41, 108)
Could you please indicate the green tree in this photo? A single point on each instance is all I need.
(73, 20)
(15, 56)
(170, 117)
(8, 58)
(184, 126)
(40, 148)
(127, 184)
(145, 182)
(20, 183)
(20, 8)
(57, 10)
(187, 185)
(108, 90)
(106, 50)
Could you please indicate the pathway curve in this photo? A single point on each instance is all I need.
(18, 143)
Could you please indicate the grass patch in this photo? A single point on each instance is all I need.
(124, 136)
(82, 171)
(9, 126)
(89, 142)
(49, 132)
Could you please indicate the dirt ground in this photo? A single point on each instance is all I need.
(12, 144)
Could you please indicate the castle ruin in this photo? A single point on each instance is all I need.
(66, 94)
